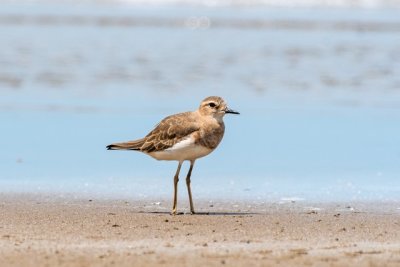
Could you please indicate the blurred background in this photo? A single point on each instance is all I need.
(317, 84)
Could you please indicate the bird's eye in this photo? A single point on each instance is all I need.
(212, 105)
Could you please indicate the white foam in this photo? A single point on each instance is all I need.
(290, 199)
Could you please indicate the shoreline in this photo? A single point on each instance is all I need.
(41, 230)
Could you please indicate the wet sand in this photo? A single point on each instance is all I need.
(65, 231)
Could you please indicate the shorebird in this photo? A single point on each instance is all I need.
(184, 136)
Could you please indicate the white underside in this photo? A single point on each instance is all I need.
(184, 150)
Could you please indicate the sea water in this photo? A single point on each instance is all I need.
(318, 90)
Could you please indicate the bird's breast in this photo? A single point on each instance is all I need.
(211, 136)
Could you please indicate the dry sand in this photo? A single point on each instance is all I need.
(54, 231)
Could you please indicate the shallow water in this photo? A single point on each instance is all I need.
(318, 92)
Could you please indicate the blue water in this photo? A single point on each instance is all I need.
(319, 107)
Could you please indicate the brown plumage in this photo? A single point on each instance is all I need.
(167, 133)
(184, 136)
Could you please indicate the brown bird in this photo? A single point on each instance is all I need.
(184, 136)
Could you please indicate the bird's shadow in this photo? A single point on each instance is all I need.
(200, 213)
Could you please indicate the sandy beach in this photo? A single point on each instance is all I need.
(47, 231)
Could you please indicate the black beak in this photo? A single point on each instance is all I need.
(228, 110)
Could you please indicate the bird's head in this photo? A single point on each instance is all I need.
(215, 106)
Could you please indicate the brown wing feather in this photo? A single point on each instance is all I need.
(169, 131)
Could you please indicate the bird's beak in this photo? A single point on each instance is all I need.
(231, 111)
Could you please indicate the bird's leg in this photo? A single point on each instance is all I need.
(176, 180)
(188, 186)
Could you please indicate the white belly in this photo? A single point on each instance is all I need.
(184, 150)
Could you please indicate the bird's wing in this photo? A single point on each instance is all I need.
(169, 131)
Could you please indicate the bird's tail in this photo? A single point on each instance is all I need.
(130, 145)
